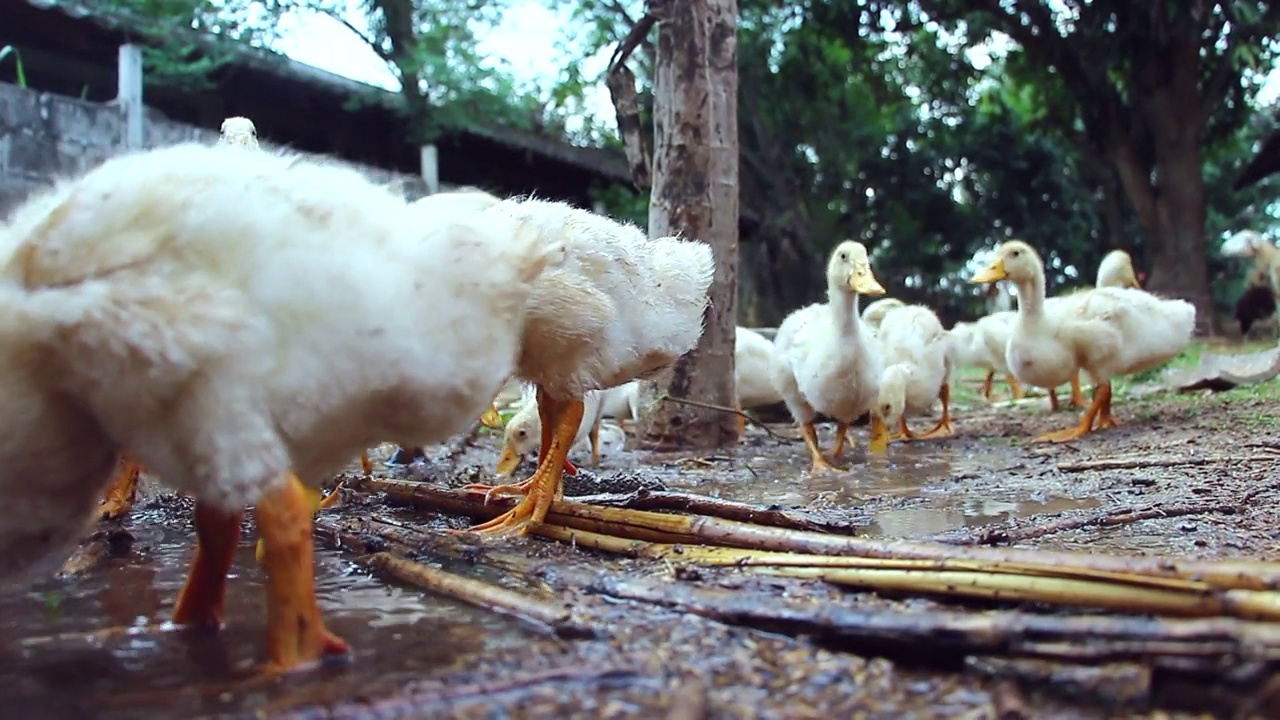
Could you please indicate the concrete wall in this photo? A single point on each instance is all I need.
(45, 136)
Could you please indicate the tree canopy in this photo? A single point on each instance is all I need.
(929, 129)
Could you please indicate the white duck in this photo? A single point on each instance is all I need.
(1105, 331)
(120, 493)
(524, 431)
(752, 358)
(826, 360)
(981, 344)
(917, 370)
(1263, 252)
(621, 307)
(621, 403)
(1115, 270)
(223, 315)
(873, 314)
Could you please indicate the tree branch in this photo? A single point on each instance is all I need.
(377, 49)
(639, 31)
(626, 104)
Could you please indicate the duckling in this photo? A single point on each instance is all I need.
(1115, 270)
(917, 357)
(825, 359)
(1265, 255)
(524, 431)
(752, 357)
(120, 494)
(1104, 331)
(873, 314)
(621, 307)
(621, 403)
(235, 352)
(981, 344)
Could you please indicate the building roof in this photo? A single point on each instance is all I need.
(70, 48)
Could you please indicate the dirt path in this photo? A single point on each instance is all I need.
(1184, 475)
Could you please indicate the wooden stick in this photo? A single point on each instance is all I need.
(1199, 644)
(1220, 574)
(791, 519)
(480, 594)
(454, 502)
(1137, 463)
(729, 410)
(1114, 596)
(1226, 574)
(1004, 581)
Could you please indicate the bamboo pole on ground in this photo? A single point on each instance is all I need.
(641, 526)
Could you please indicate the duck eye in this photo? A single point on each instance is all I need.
(523, 433)
(844, 256)
(1015, 253)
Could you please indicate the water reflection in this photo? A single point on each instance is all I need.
(95, 643)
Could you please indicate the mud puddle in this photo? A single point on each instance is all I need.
(96, 643)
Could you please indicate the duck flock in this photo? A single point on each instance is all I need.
(243, 322)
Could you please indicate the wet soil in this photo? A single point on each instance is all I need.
(1200, 471)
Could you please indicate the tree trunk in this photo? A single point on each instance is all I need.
(1168, 93)
(695, 195)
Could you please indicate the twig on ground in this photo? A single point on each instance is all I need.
(724, 409)
(1135, 463)
(480, 594)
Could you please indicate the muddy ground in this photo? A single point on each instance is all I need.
(1199, 468)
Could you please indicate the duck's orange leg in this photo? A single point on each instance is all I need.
(1106, 420)
(522, 488)
(201, 600)
(1101, 397)
(986, 385)
(295, 633)
(366, 465)
(819, 463)
(119, 496)
(943, 428)
(1014, 387)
(317, 502)
(563, 418)
(842, 436)
(879, 440)
(904, 433)
(1077, 396)
(594, 436)
(1054, 405)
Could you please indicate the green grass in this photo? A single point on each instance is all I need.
(967, 381)
(8, 50)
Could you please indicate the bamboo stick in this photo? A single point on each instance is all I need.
(1221, 574)
(470, 504)
(480, 594)
(1224, 574)
(1011, 582)
(1114, 596)
(791, 519)
(1205, 645)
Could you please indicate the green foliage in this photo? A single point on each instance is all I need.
(186, 41)
(20, 72)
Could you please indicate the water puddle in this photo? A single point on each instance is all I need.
(60, 662)
(915, 490)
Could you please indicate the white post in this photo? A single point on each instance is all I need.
(129, 93)
(430, 159)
